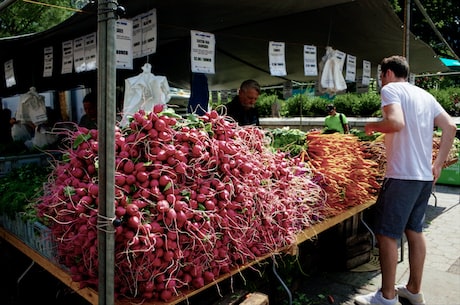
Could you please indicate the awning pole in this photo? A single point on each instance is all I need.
(406, 30)
(106, 84)
(4, 4)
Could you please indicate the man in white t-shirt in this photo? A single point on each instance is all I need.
(409, 117)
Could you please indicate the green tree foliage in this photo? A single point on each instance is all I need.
(445, 14)
(23, 17)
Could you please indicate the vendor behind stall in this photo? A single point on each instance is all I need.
(5, 126)
(243, 106)
(89, 119)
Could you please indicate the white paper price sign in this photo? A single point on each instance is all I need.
(202, 52)
(310, 63)
(277, 58)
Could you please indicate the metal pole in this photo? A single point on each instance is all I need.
(106, 84)
(406, 30)
(4, 4)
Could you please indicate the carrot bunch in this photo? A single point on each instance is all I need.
(341, 169)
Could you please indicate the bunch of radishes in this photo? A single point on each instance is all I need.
(195, 198)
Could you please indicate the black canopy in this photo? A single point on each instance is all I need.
(367, 29)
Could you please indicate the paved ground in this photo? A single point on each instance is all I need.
(441, 282)
(320, 284)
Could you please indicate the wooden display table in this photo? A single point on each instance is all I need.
(91, 295)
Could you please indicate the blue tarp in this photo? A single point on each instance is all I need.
(451, 63)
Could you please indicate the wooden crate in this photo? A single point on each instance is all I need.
(255, 298)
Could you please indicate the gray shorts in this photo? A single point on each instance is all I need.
(400, 206)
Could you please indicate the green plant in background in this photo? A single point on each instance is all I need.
(449, 99)
(20, 187)
(351, 104)
(265, 102)
(292, 141)
(304, 105)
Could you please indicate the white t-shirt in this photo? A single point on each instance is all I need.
(409, 151)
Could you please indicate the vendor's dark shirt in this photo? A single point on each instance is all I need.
(241, 115)
(5, 126)
(87, 122)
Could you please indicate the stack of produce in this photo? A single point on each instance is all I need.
(342, 169)
(375, 150)
(195, 198)
(454, 151)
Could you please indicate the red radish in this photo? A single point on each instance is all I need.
(157, 108)
(163, 206)
(193, 199)
(132, 209)
(142, 176)
(128, 167)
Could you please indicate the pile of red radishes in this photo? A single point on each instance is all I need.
(195, 197)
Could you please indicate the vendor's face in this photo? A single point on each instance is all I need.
(248, 97)
(90, 109)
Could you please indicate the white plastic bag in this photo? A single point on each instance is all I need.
(32, 108)
(143, 92)
(43, 137)
(20, 133)
(331, 76)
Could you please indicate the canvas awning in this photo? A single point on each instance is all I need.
(367, 29)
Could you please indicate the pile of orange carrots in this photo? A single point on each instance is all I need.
(341, 168)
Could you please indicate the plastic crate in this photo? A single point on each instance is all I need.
(450, 175)
(40, 238)
(7, 164)
(15, 225)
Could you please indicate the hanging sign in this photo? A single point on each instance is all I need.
(224, 96)
(350, 74)
(277, 59)
(309, 61)
(202, 52)
(137, 37)
(67, 57)
(366, 73)
(149, 32)
(79, 54)
(379, 79)
(90, 52)
(287, 89)
(214, 96)
(144, 34)
(123, 44)
(340, 57)
(48, 62)
(9, 74)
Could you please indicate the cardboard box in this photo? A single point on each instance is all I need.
(255, 298)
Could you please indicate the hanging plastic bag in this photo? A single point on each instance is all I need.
(20, 133)
(331, 77)
(32, 108)
(143, 92)
(43, 137)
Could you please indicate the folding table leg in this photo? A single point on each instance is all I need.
(24, 274)
(281, 281)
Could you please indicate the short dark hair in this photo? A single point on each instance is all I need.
(330, 107)
(250, 84)
(90, 98)
(396, 63)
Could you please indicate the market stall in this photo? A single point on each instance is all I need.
(200, 192)
(325, 181)
(91, 295)
(75, 204)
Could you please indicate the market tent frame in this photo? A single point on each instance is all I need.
(367, 29)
